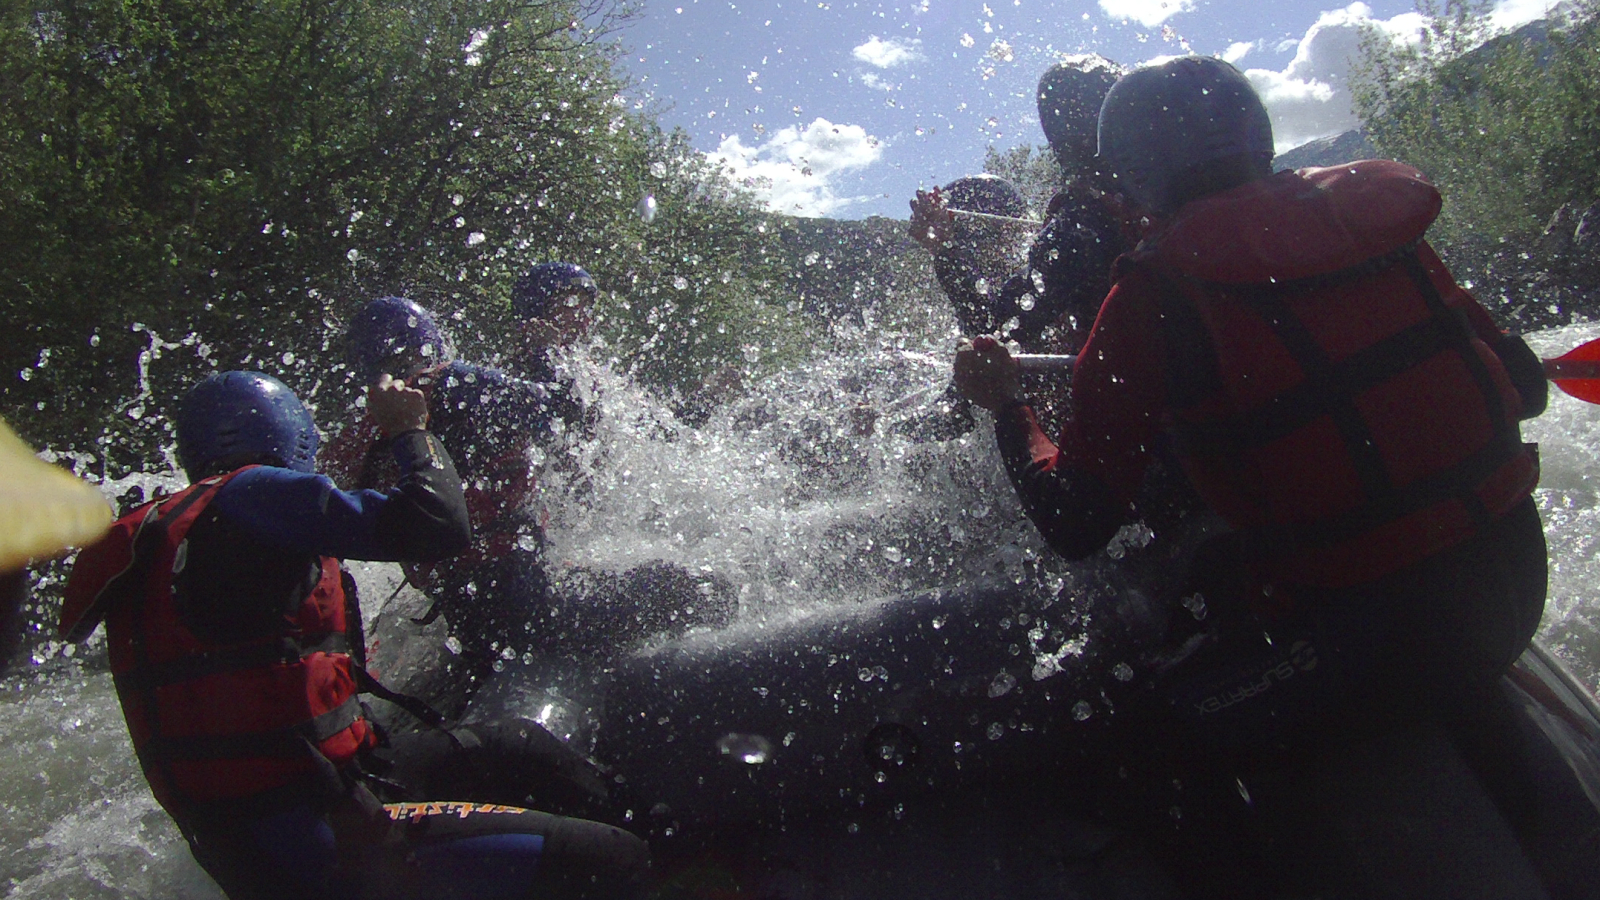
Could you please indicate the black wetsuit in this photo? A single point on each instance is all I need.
(1044, 306)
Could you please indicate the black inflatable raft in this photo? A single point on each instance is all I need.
(953, 744)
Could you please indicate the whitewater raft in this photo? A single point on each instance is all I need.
(953, 744)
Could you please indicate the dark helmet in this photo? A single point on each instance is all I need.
(245, 414)
(545, 283)
(397, 336)
(985, 193)
(1161, 121)
(1070, 94)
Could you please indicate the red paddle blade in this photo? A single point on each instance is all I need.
(1577, 372)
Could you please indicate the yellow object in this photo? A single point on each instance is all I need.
(43, 508)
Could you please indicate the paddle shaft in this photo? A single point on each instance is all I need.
(1045, 362)
(1555, 369)
(991, 217)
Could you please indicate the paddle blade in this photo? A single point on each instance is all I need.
(43, 508)
(1577, 372)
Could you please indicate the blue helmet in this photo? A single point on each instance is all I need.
(244, 414)
(1162, 121)
(985, 193)
(397, 336)
(544, 284)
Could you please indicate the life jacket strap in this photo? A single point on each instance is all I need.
(282, 742)
(189, 668)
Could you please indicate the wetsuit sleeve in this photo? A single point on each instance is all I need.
(975, 304)
(422, 518)
(1078, 493)
(1072, 509)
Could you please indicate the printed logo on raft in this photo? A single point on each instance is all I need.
(1302, 658)
(417, 811)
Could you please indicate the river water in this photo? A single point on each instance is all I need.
(779, 492)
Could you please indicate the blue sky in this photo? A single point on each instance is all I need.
(845, 108)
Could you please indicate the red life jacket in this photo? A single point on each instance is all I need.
(215, 721)
(1324, 397)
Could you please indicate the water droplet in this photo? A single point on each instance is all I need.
(750, 749)
(1081, 711)
(1122, 672)
(1002, 684)
(864, 674)
(645, 209)
(996, 731)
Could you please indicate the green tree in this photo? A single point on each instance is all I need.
(1508, 127)
(245, 174)
(1033, 169)
(699, 292)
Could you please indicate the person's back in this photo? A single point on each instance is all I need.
(237, 653)
(1349, 412)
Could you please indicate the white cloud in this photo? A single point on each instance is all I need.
(1148, 13)
(1509, 14)
(1237, 51)
(794, 170)
(888, 54)
(1310, 98)
(871, 80)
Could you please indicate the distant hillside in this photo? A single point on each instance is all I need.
(1329, 151)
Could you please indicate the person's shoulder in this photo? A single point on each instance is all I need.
(261, 479)
(469, 384)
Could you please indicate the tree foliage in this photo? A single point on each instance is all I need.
(1033, 169)
(1508, 127)
(248, 173)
